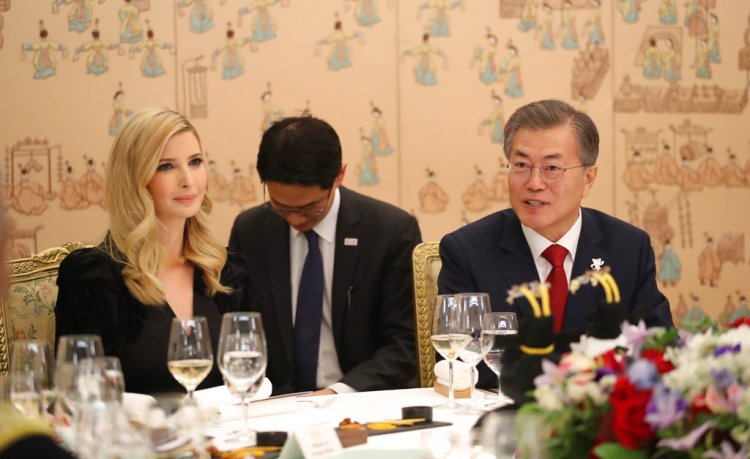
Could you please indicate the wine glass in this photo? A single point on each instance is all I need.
(498, 332)
(30, 376)
(71, 351)
(189, 356)
(473, 308)
(446, 340)
(113, 374)
(242, 359)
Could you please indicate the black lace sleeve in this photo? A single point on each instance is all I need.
(236, 276)
(90, 289)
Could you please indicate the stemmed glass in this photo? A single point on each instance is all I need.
(473, 308)
(446, 339)
(498, 332)
(30, 376)
(242, 359)
(71, 351)
(189, 356)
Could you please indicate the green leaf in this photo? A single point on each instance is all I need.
(617, 451)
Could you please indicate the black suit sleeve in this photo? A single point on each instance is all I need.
(654, 304)
(454, 274)
(393, 364)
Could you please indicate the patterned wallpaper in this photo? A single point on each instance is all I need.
(418, 90)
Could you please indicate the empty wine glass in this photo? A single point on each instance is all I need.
(446, 340)
(30, 376)
(114, 375)
(473, 308)
(242, 359)
(498, 332)
(71, 350)
(189, 356)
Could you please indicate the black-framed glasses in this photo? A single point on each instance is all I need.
(550, 172)
(313, 209)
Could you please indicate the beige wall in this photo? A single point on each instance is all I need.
(48, 124)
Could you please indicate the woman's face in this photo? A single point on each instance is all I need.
(179, 184)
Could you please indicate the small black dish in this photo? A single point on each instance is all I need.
(272, 438)
(416, 412)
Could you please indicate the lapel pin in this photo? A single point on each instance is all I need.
(596, 264)
(351, 241)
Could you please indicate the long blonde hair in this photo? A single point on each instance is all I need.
(133, 226)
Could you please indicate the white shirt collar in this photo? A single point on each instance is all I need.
(326, 228)
(538, 243)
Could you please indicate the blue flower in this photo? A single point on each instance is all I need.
(643, 374)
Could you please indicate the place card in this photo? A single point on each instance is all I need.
(312, 442)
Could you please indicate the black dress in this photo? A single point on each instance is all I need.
(93, 298)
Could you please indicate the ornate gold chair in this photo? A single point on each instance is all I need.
(27, 311)
(425, 267)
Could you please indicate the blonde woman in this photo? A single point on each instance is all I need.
(159, 259)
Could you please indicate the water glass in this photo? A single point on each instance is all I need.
(498, 332)
(473, 308)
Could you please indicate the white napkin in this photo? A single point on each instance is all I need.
(220, 395)
(464, 375)
(137, 406)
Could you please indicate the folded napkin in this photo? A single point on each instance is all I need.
(464, 375)
(220, 395)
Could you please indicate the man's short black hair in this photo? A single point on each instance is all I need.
(300, 151)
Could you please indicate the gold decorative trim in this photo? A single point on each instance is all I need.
(424, 288)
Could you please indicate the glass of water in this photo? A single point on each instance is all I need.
(498, 332)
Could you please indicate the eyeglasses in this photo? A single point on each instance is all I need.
(313, 209)
(550, 172)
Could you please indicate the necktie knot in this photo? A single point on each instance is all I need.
(555, 254)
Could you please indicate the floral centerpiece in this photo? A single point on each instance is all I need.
(649, 393)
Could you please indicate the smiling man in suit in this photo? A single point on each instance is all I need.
(331, 269)
(552, 150)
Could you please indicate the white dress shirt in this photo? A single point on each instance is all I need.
(538, 244)
(329, 370)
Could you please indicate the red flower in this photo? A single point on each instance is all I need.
(613, 359)
(741, 321)
(628, 410)
(657, 357)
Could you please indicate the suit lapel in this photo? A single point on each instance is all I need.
(278, 260)
(580, 304)
(348, 241)
(515, 262)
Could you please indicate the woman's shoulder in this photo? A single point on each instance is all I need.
(89, 264)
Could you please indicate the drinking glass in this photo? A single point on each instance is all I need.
(473, 307)
(71, 351)
(498, 331)
(113, 374)
(189, 356)
(445, 338)
(30, 376)
(242, 359)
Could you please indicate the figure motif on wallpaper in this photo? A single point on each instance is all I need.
(43, 59)
(734, 174)
(381, 146)
(568, 29)
(668, 12)
(743, 57)
(679, 311)
(2, 24)
(29, 196)
(709, 263)
(71, 194)
(695, 315)
(545, 29)
(79, 16)
(92, 183)
(510, 72)
(713, 39)
(695, 18)
(734, 313)
(666, 170)
(731, 247)
(367, 169)
(529, 11)
(485, 57)
(438, 24)
(592, 28)
(670, 62)
(152, 65)
(271, 113)
(652, 61)
(656, 222)
(710, 170)
(339, 56)
(241, 188)
(494, 124)
(425, 72)
(232, 63)
(432, 198)
(478, 195)
(97, 61)
(702, 62)
(365, 11)
(630, 10)
(637, 176)
(15, 234)
(500, 182)
(670, 267)
(201, 15)
(131, 30)
(689, 179)
(119, 112)
(264, 26)
(217, 184)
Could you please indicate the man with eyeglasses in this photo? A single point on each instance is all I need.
(330, 269)
(552, 150)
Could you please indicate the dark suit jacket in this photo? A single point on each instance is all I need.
(491, 255)
(372, 305)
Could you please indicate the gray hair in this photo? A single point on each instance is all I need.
(551, 113)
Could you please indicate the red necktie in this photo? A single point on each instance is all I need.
(558, 293)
